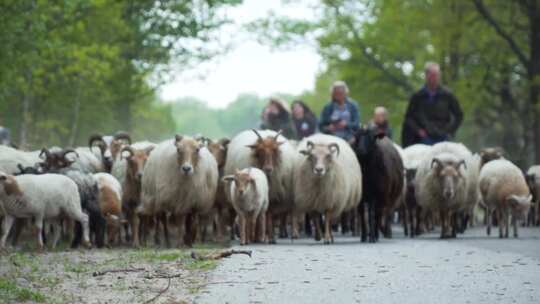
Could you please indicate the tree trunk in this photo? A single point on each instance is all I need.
(25, 117)
(534, 73)
(76, 115)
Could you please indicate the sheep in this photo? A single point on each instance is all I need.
(108, 147)
(248, 189)
(489, 154)
(443, 183)
(41, 197)
(505, 190)
(180, 177)
(383, 171)
(272, 153)
(129, 170)
(412, 156)
(533, 180)
(327, 179)
(110, 204)
(10, 159)
(57, 161)
(80, 159)
(225, 213)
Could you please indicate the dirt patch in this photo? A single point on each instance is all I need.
(121, 275)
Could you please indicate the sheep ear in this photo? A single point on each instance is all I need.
(436, 164)
(228, 178)
(252, 146)
(149, 150)
(3, 178)
(279, 143)
(178, 138)
(462, 162)
(304, 152)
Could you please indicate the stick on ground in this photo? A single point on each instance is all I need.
(104, 272)
(161, 292)
(219, 255)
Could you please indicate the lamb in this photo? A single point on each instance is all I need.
(383, 170)
(42, 197)
(412, 156)
(110, 204)
(533, 180)
(180, 178)
(327, 179)
(271, 152)
(248, 189)
(443, 183)
(129, 170)
(505, 190)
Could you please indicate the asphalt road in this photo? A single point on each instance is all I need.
(471, 269)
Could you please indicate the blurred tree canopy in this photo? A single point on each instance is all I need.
(489, 51)
(71, 68)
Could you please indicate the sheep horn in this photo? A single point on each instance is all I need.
(334, 146)
(46, 151)
(310, 145)
(257, 133)
(128, 149)
(437, 161)
(94, 138)
(67, 151)
(278, 134)
(123, 135)
(21, 168)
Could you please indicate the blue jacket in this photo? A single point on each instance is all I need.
(353, 124)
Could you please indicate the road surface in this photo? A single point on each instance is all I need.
(471, 269)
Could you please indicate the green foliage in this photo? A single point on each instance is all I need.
(74, 68)
(9, 291)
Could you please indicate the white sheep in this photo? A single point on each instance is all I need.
(504, 189)
(248, 190)
(41, 197)
(180, 178)
(327, 179)
(10, 159)
(442, 183)
(272, 153)
(413, 155)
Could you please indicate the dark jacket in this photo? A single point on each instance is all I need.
(353, 123)
(306, 126)
(381, 129)
(439, 114)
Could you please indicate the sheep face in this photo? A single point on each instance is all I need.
(489, 154)
(321, 156)
(38, 168)
(136, 159)
(242, 180)
(187, 154)
(109, 146)
(365, 141)
(219, 150)
(266, 152)
(9, 185)
(519, 206)
(448, 176)
(114, 224)
(60, 159)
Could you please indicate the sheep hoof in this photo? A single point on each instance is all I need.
(327, 242)
(272, 242)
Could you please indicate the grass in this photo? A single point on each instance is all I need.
(9, 291)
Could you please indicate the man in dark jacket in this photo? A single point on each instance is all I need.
(340, 117)
(433, 114)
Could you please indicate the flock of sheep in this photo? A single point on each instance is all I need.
(115, 191)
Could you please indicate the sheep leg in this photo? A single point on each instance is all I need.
(514, 222)
(443, 224)
(57, 232)
(262, 226)
(501, 224)
(488, 220)
(191, 229)
(270, 228)
(327, 227)
(372, 219)
(38, 222)
(253, 228)
(242, 230)
(506, 224)
(134, 223)
(404, 216)
(294, 223)
(6, 227)
(307, 224)
(454, 222)
(17, 229)
(363, 224)
(164, 222)
(318, 223)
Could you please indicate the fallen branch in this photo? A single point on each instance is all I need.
(163, 276)
(161, 292)
(104, 272)
(219, 255)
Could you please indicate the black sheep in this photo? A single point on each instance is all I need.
(383, 175)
